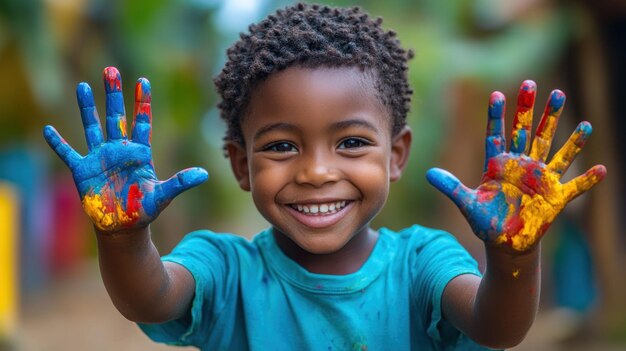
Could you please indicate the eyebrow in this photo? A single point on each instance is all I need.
(274, 127)
(354, 123)
(334, 127)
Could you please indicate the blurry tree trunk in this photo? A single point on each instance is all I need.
(604, 207)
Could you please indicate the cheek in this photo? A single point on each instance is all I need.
(266, 181)
(371, 176)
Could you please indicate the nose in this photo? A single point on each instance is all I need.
(317, 169)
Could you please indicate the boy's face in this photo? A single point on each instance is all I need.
(318, 155)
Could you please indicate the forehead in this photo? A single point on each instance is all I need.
(298, 91)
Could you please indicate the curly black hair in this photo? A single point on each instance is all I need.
(313, 36)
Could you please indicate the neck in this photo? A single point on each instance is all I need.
(346, 260)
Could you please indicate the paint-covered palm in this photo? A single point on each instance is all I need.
(116, 181)
(520, 195)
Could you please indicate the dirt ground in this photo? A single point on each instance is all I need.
(76, 314)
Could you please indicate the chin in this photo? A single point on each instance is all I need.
(320, 246)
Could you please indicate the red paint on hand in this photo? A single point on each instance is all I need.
(133, 202)
(112, 79)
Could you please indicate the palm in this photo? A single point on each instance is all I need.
(116, 179)
(520, 195)
(126, 179)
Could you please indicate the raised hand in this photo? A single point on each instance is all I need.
(520, 195)
(116, 181)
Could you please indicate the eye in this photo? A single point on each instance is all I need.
(280, 146)
(351, 143)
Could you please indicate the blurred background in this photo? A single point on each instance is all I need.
(51, 294)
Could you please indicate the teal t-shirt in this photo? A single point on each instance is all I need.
(250, 296)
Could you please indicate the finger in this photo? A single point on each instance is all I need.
(547, 126)
(452, 187)
(61, 147)
(183, 180)
(116, 116)
(523, 117)
(495, 141)
(563, 158)
(583, 182)
(142, 124)
(89, 115)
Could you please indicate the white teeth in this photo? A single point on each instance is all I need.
(320, 208)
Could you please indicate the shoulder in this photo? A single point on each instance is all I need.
(431, 252)
(206, 237)
(202, 246)
(420, 237)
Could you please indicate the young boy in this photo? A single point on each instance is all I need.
(316, 99)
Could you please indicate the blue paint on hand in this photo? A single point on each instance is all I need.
(116, 179)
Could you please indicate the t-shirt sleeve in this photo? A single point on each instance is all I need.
(438, 258)
(208, 257)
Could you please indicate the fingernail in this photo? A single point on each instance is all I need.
(599, 171)
(193, 176)
(582, 132)
(84, 95)
(527, 93)
(557, 100)
(112, 80)
(142, 91)
(496, 104)
(48, 132)
(528, 85)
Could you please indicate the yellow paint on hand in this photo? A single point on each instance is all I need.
(579, 185)
(563, 158)
(540, 149)
(535, 211)
(96, 211)
(105, 217)
(543, 141)
(123, 127)
(516, 273)
(524, 119)
(512, 172)
(549, 127)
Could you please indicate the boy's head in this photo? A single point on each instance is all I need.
(314, 36)
(316, 102)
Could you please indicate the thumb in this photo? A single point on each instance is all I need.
(181, 181)
(451, 186)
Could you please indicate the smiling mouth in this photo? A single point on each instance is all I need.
(320, 209)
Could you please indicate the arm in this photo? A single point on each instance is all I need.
(498, 310)
(142, 287)
(121, 194)
(518, 198)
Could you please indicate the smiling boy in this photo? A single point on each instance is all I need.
(315, 99)
(318, 160)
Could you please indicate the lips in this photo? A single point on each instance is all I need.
(320, 215)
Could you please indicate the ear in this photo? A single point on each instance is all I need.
(239, 163)
(400, 149)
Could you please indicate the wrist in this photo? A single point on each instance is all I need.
(125, 238)
(507, 249)
(513, 263)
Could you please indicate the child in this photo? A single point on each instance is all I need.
(316, 99)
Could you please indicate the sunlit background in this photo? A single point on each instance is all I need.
(51, 294)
